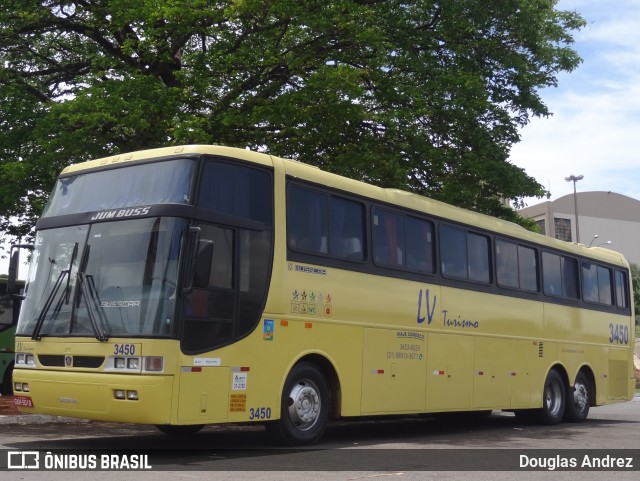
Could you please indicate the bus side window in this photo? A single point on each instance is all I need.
(560, 275)
(388, 238)
(465, 255)
(622, 299)
(453, 250)
(347, 229)
(307, 220)
(507, 263)
(419, 244)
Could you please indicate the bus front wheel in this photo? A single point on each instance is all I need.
(304, 408)
(6, 387)
(553, 400)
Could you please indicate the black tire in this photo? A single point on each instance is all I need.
(578, 399)
(554, 399)
(180, 431)
(304, 408)
(6, 388)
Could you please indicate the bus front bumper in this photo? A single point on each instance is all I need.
(97, 396)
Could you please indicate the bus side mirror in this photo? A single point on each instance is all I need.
(204, 258)
(14, 264)
(13, 271)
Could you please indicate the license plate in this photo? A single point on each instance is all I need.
(23, 401)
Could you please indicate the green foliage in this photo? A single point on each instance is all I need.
(425, 95)
(635, 283)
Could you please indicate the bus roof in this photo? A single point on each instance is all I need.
(395, 197)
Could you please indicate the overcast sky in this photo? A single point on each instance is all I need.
(595, 127)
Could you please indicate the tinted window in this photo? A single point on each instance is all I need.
(127, 186)
(453, 251)
(464, 255)
(507, 264)
(319, 223)
(402, 241)
(236, 190)
(308, 220)
(388, 238)
(419, 243)
(604, 286)
(622, 299)
(590, 282)
(560, 275)
(347, 229)
(478, 256)
(528, 268)
(517, 266)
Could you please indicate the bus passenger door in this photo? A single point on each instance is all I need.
(393, 371)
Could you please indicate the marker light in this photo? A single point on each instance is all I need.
(153, 363)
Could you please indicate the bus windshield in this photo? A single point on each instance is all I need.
(165, 182)
(111, 279)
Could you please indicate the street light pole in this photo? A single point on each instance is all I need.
(574, 179)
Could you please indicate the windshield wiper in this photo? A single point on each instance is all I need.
(90, 293)
(88, 290)
(47, 305)
(56, 287)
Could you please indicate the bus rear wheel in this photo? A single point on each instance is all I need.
(553, 400)
(578, 399)
(304, 408)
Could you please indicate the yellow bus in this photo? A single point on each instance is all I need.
(195, 285)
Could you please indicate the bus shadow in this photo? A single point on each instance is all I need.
(397, 443)
(498, 431)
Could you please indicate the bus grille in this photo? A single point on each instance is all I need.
(58, 360)
(540, 349)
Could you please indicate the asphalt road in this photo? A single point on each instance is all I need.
(406, 448)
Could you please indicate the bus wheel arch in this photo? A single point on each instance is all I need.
(580, 396)
(307, 402)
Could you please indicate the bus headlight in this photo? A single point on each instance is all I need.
(23, 359)
(119, 363)
(133, 363)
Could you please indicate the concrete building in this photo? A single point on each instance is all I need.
(613, 218)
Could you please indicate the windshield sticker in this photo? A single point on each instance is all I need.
(206, 361)
(239, 381)
(120, 304)
(307, 269)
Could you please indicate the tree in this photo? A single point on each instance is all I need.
(425, 95)
(635, 284)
